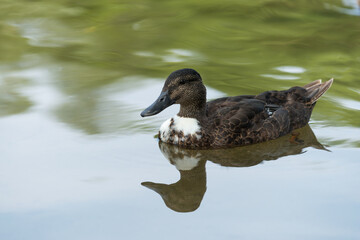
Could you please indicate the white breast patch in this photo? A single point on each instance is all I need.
(188, 126)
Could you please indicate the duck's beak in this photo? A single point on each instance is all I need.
(160, 104)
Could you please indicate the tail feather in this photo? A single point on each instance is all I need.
(313, 84)
(316, 89)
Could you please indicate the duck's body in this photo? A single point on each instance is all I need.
(231, 121)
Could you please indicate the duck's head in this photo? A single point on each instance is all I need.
(182, 87)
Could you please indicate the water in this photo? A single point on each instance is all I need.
(78, 162)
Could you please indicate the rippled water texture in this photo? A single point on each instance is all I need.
(78, 162)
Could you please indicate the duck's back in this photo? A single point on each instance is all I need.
(247, 119)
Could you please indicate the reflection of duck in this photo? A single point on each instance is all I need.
(230, 121)
(187, 194)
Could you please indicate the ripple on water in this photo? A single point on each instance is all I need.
(43, 32)
(352, 7)
(171, 55)
(280, 77)
(286, 69)
(291, 69)
(348, 103)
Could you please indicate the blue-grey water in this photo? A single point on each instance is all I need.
(78, 162)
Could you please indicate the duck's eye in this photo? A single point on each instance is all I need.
(183, 81)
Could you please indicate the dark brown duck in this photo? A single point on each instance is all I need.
(230, 121)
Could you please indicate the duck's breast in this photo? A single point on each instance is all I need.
(178, 130)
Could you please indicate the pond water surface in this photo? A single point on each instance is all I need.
(78, 162)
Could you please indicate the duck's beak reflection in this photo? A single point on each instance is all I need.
(160, 104)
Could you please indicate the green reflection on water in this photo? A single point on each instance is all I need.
(239, 47)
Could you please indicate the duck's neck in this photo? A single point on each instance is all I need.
(193, 110)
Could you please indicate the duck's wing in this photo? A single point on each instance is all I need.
(236, 112)
(225, 102)
(247, 121)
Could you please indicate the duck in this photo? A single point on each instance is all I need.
(230, 121)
